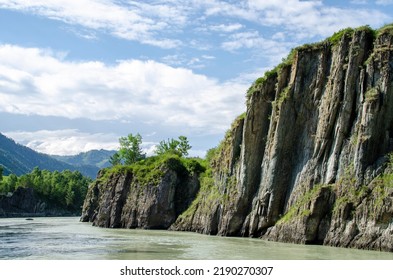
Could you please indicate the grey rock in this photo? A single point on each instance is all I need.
(313, 165)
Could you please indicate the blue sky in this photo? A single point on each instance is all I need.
(76, 75)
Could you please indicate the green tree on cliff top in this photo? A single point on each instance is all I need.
(178, 147)
(130, 150)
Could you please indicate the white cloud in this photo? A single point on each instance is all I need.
(359, 2)
(226, 27)
(299, 19)
(35, 81)
(165, 23)
(74, 141)
(64, 142)
(313, 18)
(184, 60)
(272, 50)
(384, 2)
(129, 20)
(244, 40)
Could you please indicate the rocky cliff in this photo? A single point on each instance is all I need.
(310, 160)
(25, 202)
(148, 195)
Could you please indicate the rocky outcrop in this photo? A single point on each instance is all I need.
(24, 202)
(312, 158)
(309, 162)
(125, 199)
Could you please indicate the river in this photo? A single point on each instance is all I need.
(67, 238)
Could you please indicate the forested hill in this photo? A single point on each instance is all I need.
(98, 158)
(19, 160)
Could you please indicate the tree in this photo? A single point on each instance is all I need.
(1, 173)
(184, 146)
(12, 182)
(178, 147)
(130, 149)
(210, 154)
(115, 159)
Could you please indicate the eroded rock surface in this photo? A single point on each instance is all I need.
(313, 164)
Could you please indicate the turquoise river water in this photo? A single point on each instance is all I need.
(67, 238)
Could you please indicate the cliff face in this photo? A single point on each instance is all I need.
(309, 162)
(24, 202)
(125, 199)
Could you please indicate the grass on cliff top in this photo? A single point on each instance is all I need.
(337, 36)
(386, 29)
(258, 83)
(151, 170)
(333, 40)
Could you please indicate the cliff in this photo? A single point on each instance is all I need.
(309, 162)
(149, 194)
(24, 202)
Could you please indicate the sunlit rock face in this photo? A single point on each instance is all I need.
(309, 161)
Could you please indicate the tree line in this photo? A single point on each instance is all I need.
(66, 189)
(130, 150)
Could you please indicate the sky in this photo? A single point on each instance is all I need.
(76, 75)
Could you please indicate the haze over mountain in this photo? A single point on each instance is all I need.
(98, 158)
(18, 159)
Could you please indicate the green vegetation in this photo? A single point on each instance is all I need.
(281, 98)
(17, 159)
(207, 196)
(303, 203)
(130, 148)
(350, 196)
(336, 37)
(130, 151)
(98, 158)
(386, 29)
(216, 165)
(150, 170)
(334, 40)
(256, 86)
(64, 189)
(178, 147)
(372, 94)
(376, 192)
(224, 148)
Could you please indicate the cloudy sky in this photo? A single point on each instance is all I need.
(76, 75)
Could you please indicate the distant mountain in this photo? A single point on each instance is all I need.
(18, 159)
(98, 158)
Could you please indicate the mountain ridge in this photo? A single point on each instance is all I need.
(19, 160)
(99, 158)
